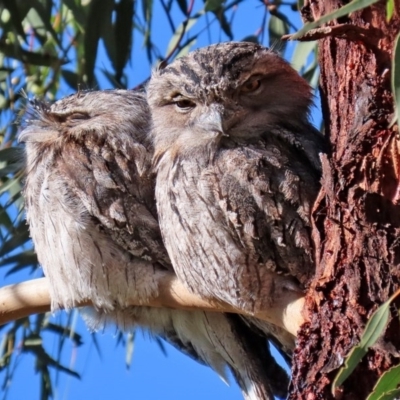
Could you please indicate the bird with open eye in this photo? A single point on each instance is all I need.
(238, 170)
(89, 195)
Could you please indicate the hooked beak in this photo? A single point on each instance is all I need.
(211, 121)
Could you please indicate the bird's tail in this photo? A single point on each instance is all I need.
(256, 371)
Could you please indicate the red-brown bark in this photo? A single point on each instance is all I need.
(357, 215)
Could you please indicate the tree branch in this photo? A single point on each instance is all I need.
(32, 297)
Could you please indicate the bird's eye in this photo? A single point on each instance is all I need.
(185, 104)
(251, 86)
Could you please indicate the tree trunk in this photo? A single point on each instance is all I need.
(357, 214)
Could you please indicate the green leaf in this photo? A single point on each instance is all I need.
(396, 78)
(16, 16)
(389, 10)
(5, 73)
(184, 27)
(251, 38)
(277, 27)
(17, 240)
(224, 23)
(111, 78)
(386, 383)
(213, 5)
(65, 331)
(186, 47)
(183, 6)
(100, 11)
(71, 78)
(10, 169)
(42, 20)
(147, 7)
(29, 57)
(12, 154)
(123, 35)
(301, 54)
(77, 11)
(392, 395)
(373, 330)
(9, 185)
(22, 259)
(353, 6)
(45, 358)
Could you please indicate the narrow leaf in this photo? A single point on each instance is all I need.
(25, 258)
(45, 21)
(183, 6)
(186, 47)
(396, 78)
(65, 331)
(373, 330)
(186, 26)
(71, 78)
(386, 383)
(224, 23)
(213, 5)
(389, 10)
(353, 6)
(99, 13)
(277, 27)
(123, 35)
(17, 240)
(301, 54)
(11, 154)
(392, 395)
(250, 38)
(16, 17)
(77, 11)
(29, 57)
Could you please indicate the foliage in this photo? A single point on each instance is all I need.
(49, 48)
(374, 329)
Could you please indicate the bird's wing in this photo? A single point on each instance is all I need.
(92, 216)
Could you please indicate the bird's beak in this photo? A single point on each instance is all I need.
(211, 121)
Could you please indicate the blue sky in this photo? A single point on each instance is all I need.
(152, 375)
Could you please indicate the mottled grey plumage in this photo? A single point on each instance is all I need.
(237, 172)
(91, 209)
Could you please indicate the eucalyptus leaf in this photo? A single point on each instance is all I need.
(213, 5)
(301, 54)
(392, 395)
(64, 331)
(16, 16)
(373, 330)
(349, 8)
(184, 27)
(389, 9)
(20, 237)
(99, 13)
(30, 57)
(183, 5)
(386, 383)
(396, 78)
(123, 35)
(71, 78)
(277, 27)
(22, 260)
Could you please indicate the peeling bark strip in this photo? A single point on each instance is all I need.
(357, 215)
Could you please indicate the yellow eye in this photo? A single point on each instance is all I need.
(251, 86)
